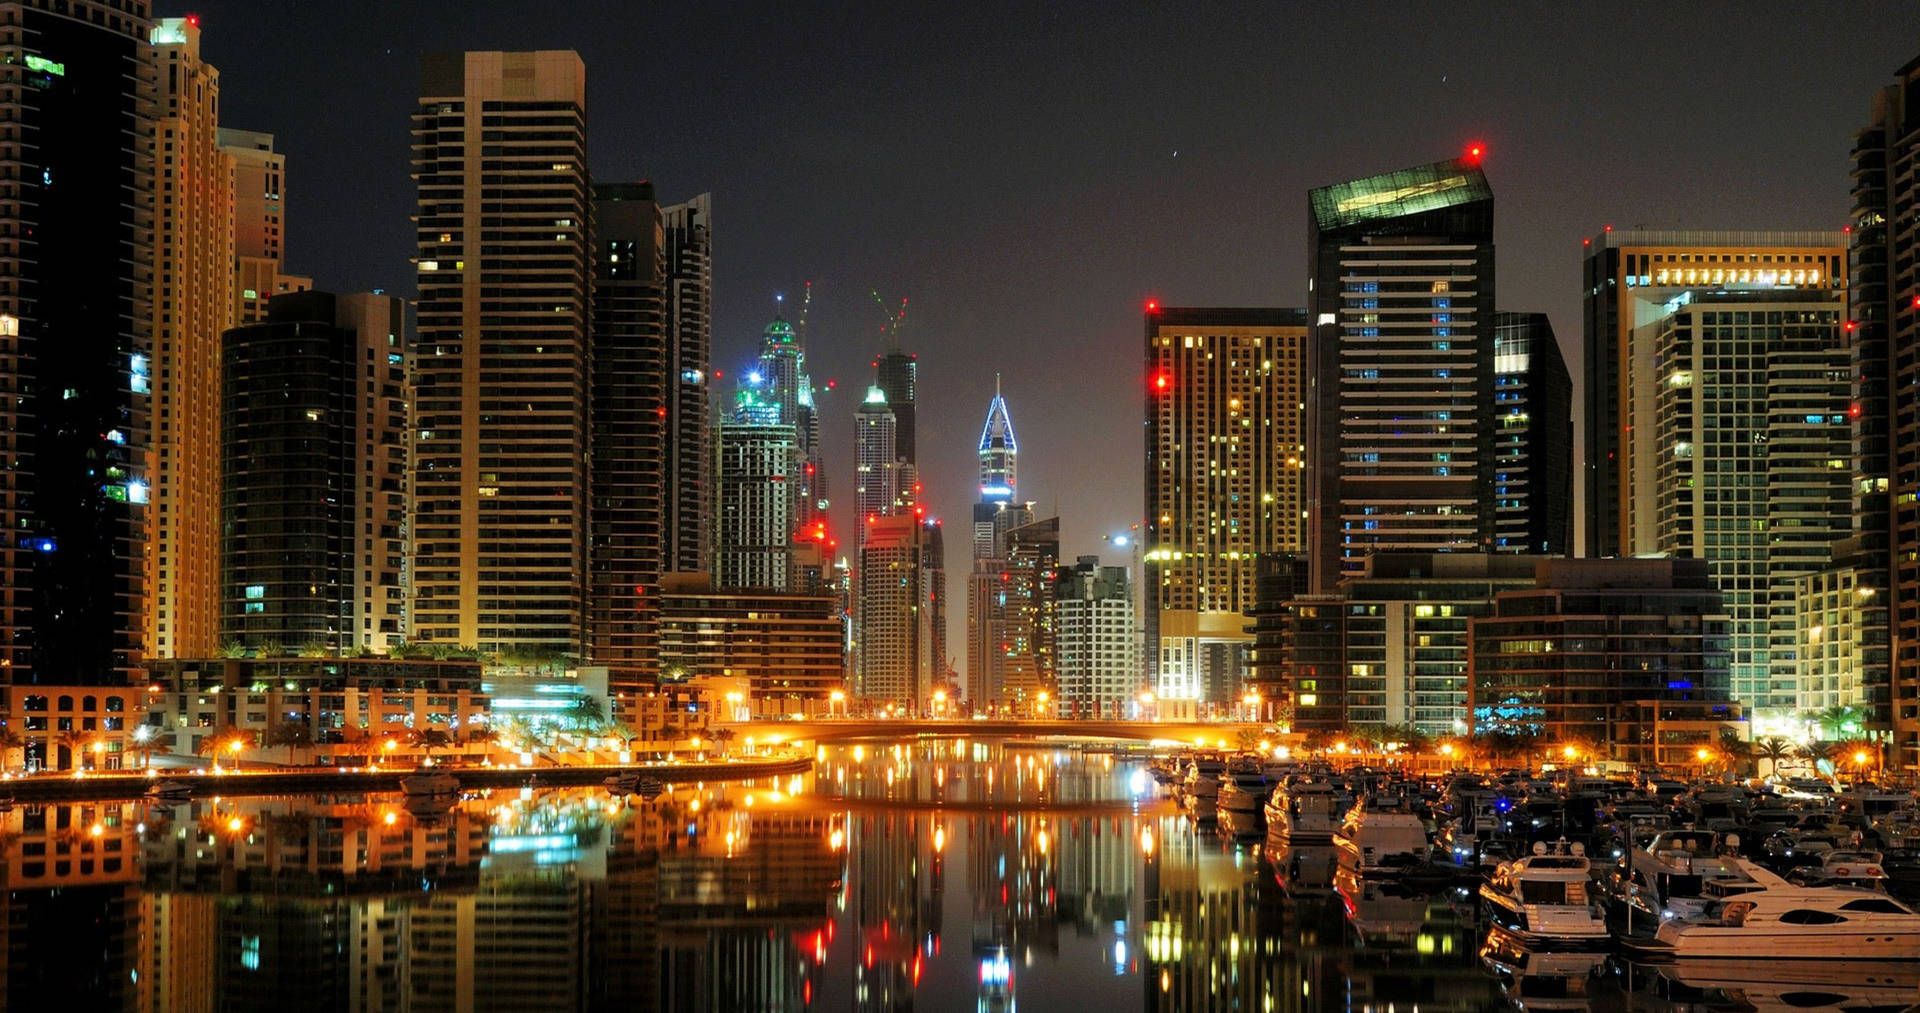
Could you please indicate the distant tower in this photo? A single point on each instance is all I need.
(785, 384)
(690, 485)
(259, 223)
(997, 512)
(878, 461)
(897, 376)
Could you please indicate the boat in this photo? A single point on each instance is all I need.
(1241, 793)
(430, 782)
(170, 791)
(1544, 898)
(1670, 874)
(1305, 812)
(1202, 780)
(624, 783)
(1782, 921)
(1380, 834)
(1849, 867)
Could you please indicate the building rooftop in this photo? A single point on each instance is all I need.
(1398, 194)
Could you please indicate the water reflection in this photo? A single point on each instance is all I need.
(943, 875)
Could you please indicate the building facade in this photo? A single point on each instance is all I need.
(690, 484)
(76, 362)
(504, 269)
(193, 256)
(756, 516)
(876, 458)
(1562, 659)
(1403, 347)
(1629, 277)
(786, 646)
(1225, 473)
(1885, 319)
(1738, 445)
(259, 223)
(627, 477)
(316, 496)
(1096, 640)
(1533, 438)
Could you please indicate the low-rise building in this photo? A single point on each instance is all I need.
(1562, 659)
(789, 648)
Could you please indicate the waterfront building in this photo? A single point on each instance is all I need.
(259, 223)
(1225, 472)
(315, 435)
(896, 659)
(505, 270)
(1096, 640)
(1404, 652)
(629, 393)
(193, 265)
(784, 382)
(997, 512)
(897, 376)
(349, 705)
(1560, 660)
(76, 326)
(786, 647)
(1402, 303)
(1629, 277)
(1737, 444)
(1028, 680)
(1883, 311)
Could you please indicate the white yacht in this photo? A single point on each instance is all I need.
(1202, 780)
(1670, 873)
(1241, 792)
(1783, 921)
(1380, 834)
(1848, 867)
(430, 782)
(1304, 812)
(1545, 897)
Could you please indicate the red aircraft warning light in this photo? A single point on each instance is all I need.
(1153, 305)
(1475, 152)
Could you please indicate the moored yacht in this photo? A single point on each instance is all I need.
(430, 782)
(1783, 921)
(1241, 792)
(1304, 812)
(1545, 898)
(1381, 834)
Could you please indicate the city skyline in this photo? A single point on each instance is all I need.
(1065, 283)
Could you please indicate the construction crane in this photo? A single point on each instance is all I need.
(896, 321)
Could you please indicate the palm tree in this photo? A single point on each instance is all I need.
(10, 740)
(1860, 754)
(1839, 721)
(76, 743)
(228, 739)
(1774, 749)
(724, 736)
(1246, 740)
(291, 735)
(430, 739)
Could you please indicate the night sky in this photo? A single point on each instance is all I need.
(1029, 177)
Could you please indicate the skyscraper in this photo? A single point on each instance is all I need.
(757, 487)
(499, 143)
(890, 619)
(628, 472)
(1629, 276)
(259, 223)
(1403, 313)
(75, 327)
(1736, 439)
(998, 512)
(1884, 311)
(876, 458)
(897, 375)
(690, 486)
(785, 382)
(1225, 466)
(1533, 438)
(315, 493)
(1096, 642)
(193, 273)
(1027, 641)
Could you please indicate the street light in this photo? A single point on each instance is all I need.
(1041, 707)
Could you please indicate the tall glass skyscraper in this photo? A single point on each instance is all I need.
(1402, 303)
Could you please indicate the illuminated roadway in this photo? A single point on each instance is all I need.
(1212, 734)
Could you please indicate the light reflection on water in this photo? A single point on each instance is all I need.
(941, 875)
